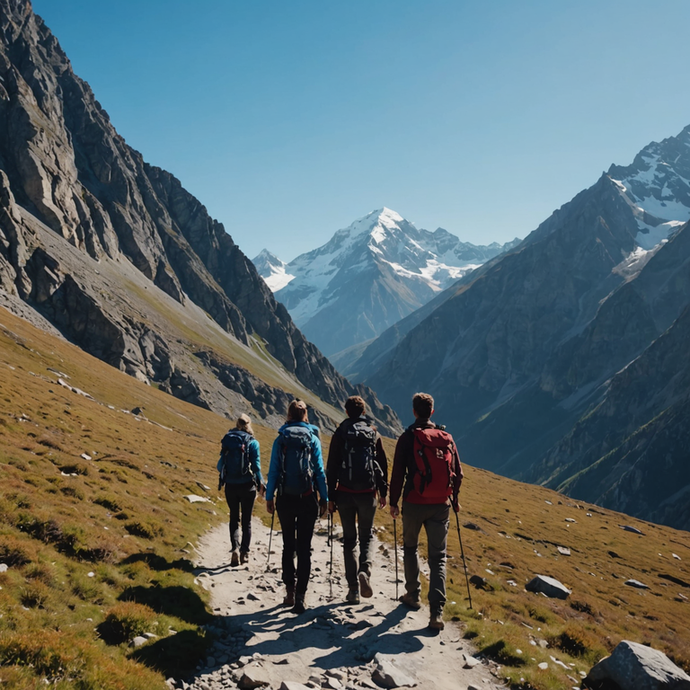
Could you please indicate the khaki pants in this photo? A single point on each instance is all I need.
(434, 519)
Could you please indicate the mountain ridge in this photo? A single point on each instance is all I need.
(523, 349)
(66, 170)
(370, 275)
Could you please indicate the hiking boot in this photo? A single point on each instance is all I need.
(299, 606)
(364, 586)
(436, 620)
(411, 601)
(352, 596)
(244, 557)
(289, 599)
(235, 558)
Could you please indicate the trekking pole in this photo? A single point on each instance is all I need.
(330, 566)
(464, 563)
(270, 537)
(395, 542)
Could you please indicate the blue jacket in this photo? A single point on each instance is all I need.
(254, 464)
(316, 464)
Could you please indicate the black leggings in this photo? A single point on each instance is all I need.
(240, 497)
(297, 515)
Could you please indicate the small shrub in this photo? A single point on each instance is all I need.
(125, 621)
(577, 641)
(33, 596)
(42, 572)
(73, 492)
(13, 552)
(143, 530)
(110, 503)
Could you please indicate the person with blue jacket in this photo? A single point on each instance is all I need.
(239, 466)
(296, 473)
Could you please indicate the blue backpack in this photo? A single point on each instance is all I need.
(296, 476)
(235, 453)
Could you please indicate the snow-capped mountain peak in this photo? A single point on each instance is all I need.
(272, 270)
(657, 186)
(369, 275)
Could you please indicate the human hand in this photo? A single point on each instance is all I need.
(382, 502)
(323, 507)
(395, 511)
(332, 507)
(456, 505)
(270, 507)
(262, 490)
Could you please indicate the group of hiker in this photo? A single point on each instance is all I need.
(426, 475)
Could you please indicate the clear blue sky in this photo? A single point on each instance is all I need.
(289, 119)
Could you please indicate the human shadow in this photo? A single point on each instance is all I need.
(347, 642)
(178, 601)
(158, 563)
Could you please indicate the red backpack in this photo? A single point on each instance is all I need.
(433, 454)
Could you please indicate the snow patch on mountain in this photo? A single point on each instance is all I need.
(272, 270)
(657, 186)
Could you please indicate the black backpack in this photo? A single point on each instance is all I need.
(235, 454)
(358, 469)
(296, 476)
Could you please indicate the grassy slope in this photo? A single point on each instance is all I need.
(97, 546)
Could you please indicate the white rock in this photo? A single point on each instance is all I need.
(193, 498)
(634, 666)
(138, 641)
(548, 586)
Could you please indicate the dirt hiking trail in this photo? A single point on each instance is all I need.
(377, 643)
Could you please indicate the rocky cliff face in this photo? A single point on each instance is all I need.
(118, 255)
(536, 359)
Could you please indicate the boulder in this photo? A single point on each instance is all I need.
(389, 674)
(549, 586)
(634, 666)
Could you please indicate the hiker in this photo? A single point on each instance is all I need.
(296, 467)
(240, 471)
(426, 462)
(357, 475)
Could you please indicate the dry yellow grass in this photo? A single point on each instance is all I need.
(96, 532)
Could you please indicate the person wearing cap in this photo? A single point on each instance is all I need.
(241, 479)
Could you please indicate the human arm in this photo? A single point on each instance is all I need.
(402, 449)
(319, 475)
(255, 463)
(333, 465)
(273, 472)
(382, 472)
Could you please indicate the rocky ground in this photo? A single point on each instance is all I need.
(377, 643)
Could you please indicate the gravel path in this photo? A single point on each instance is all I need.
(377, 643)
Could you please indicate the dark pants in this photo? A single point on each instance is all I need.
(356, 515)
(240, 497)
(297, 515)
(434, 519)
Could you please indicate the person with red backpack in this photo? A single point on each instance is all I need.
(428, 474)
(239, 469)
(357, 474)
(295, 474)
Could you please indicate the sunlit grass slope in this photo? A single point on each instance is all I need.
(94, 525)
(97, 535)
(511, 532)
